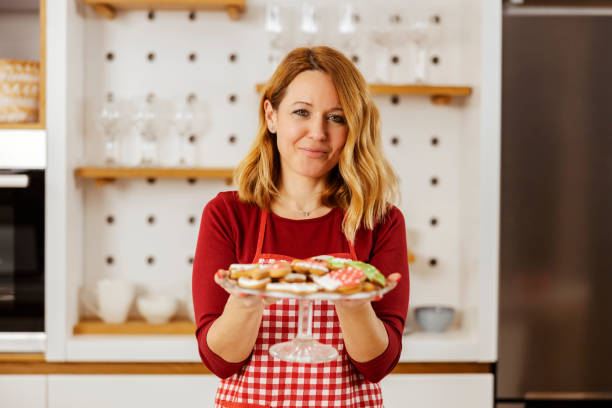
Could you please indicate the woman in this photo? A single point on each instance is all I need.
(315, 182)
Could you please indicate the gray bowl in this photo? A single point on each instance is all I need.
(434, 318)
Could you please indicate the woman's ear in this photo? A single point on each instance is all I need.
(270, 115)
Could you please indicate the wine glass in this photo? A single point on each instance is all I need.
(310, 23)
(388, 36)
(189, 118)
(109, 122)
(423, 33)
(348, 20)
(146, 123)
(275, 30)
(304, 348)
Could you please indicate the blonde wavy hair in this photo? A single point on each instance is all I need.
(363, 183)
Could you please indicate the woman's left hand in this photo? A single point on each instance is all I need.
(355, 303)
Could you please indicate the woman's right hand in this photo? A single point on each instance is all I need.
(246, 300)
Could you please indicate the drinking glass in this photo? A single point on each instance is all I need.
(310, 23)
(146, 120)
(109, 122)
(276, 33)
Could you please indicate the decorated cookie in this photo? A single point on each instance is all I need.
(279, 269)
(294, 277)
(249, 283)
(300, 288)
(332, 262)
(238, 270)
(350, 278)
(312, 267)
(372, 274)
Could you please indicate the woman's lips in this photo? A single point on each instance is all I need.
(313, 153)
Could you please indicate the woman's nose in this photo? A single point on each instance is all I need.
(318, 129)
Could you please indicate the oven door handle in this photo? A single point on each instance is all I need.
(14, 180)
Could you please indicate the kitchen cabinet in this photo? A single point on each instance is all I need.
(23, 391)
(128, 391)
(438, 390)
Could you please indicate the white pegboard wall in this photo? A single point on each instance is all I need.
(177, 53)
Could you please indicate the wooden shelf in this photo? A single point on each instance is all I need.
(105, 175)
(22, 126)
(440, 95)
(109, 8)
(134, 328)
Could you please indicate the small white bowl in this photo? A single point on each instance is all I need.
(156, 309)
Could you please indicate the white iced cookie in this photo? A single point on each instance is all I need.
(293, 287)
(249, 283)
(327, 283)
(295, 277)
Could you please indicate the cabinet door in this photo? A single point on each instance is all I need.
(438, 390)
(23, 391)
(129, 391)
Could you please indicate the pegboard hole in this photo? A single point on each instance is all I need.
(433, 262)
(151, 15)
(395, 18)
(151, 56)
(193, 57)
(110, 56)
(110, 97)
(232, 139)
(395, 140)
(435, 60)
(190, 260)
(192, 98)
(436, 19)
(395, 59)
(192, 15)
(356, 18)
(151, 219)
(191, 180)
(110, 219)
(433, 221)
(110, 260)
(192, 139)
(233, 57)
(435, 141)
(232, 98)
(395, 99)
(151, 180)
(355, 59)
(434, 181)
(191, 220)
(150, 97)
(150, 260)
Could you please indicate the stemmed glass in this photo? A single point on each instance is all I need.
(347, 27)
(388, 37)
(304, 348)
(309, 23)
(421, 34)
(110, 123)
(275, 30)
(146, 123)
(183, 122)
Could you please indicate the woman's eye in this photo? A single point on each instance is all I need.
(337, 118)
(301, 112)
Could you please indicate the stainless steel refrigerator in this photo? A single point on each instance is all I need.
(555, 333)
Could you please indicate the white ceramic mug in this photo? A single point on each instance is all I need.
(114, 298)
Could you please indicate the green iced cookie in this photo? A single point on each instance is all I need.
(371, 273)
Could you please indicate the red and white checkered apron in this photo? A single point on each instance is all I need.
(267, 382)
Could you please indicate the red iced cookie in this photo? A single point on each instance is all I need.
(349, 276)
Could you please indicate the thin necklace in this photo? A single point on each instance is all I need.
(301, 212)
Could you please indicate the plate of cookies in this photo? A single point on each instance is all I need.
(321, 277)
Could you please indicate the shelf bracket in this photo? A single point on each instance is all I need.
(441, 99)
(105, 11)
(234, 12)
(101, 182)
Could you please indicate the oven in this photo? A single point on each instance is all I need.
(22, 283)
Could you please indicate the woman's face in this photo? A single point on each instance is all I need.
(310, 125)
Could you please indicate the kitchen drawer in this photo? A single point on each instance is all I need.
(438, 390)
(129, 391)
(23, 391)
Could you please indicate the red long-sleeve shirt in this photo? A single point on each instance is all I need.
(228, 234)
